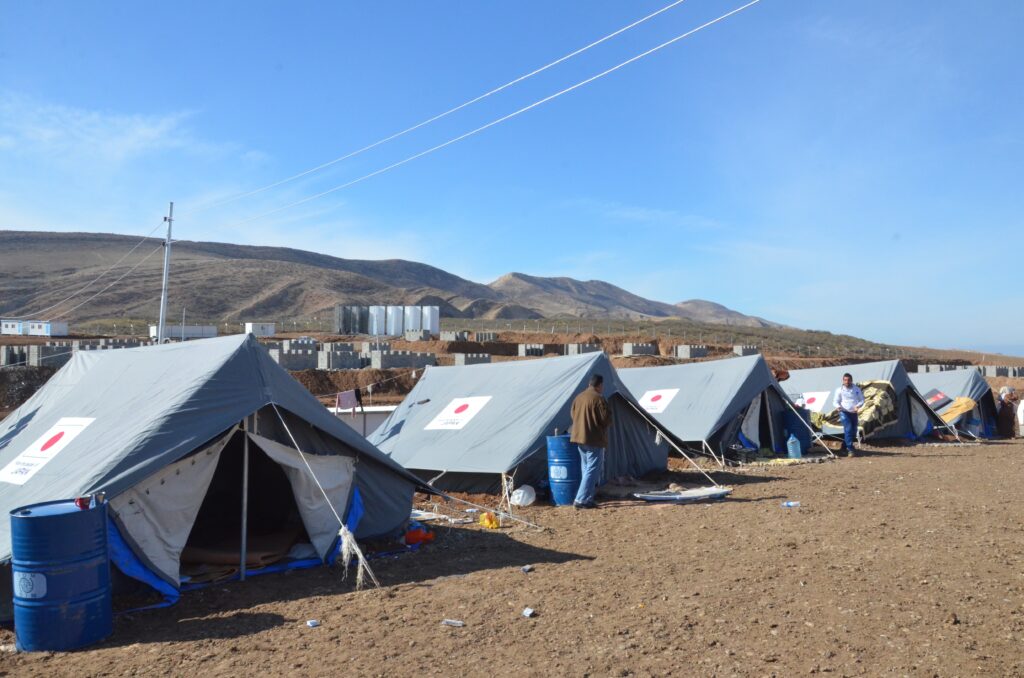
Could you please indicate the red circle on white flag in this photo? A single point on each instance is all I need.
(461, 408)
(811, 400)
(656, 398)
(51, 442)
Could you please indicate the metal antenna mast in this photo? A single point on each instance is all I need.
(167, 267)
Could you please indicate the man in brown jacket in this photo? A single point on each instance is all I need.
(591, 418)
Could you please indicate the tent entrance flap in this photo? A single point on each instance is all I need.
(274, 522)
(157, 514)
(332, 475)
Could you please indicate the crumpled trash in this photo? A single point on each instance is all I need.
(524, 495)
(313, 623)
(529, 612)
(490, 521)
(453, 622)
(527, 568)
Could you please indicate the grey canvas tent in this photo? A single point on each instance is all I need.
(969, 406)
(469, 425)
(715, 406)
(912, 418)
(171, 434)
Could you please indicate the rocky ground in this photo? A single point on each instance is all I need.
(906, 561)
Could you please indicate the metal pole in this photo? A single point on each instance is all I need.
(245, 497)
(182, 323)
(167, 267)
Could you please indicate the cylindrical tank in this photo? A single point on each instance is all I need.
(61, 569)
(395, 321)
(413, 318)
(432, 319)
(378, 322)
(564, 472)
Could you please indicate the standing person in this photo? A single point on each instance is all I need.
(591, 419)
(849, 399)
(1007, 413)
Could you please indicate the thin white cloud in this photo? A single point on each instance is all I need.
(620, 213)
(66, 134)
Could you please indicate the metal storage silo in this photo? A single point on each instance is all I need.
(432, 319)
(413, 318)
(378, 321)
(395, 320)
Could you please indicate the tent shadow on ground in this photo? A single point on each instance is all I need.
(223, 610)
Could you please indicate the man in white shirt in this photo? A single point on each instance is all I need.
(848, 400)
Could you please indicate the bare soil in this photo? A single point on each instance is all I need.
(906, 561)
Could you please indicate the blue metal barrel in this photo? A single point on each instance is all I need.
(61, 576)
(798, 424)
(564, 471)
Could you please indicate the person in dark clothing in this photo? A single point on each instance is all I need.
(591, 419)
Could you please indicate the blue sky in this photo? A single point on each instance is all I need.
(849, 166)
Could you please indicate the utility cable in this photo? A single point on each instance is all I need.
(437, 117)
(119, 279)
(89, 284)
(499, 120)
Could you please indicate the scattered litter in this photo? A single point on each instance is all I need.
(426, 516)
(489, 520)
(10, 647)
(453, 622)
(460, 521)
(313, 623)
(790, 504)
(523, 496)
(472, 510)
(685, 496)
(527, 568)
(529, 612)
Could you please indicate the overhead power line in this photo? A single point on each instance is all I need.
(89, 284)
(499, 120)
(437, 117)
(119, 279)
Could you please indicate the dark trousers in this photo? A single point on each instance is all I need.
(849, 420)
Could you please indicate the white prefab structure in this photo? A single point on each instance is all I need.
(177, 333)
(377, 325)
(259, 329)
(11, 327)
(413, 318)
(432, 319)
(45, 328)
(395, 321)
(365, 420)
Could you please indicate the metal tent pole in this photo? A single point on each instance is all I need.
(245, 497)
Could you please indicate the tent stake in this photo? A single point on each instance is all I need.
(245, 498)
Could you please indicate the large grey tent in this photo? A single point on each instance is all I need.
(160, 431)
(969, 404)
(910, 418)
(715, 406)
(471, 424)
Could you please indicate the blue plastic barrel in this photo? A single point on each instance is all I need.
(564, 472)
(799, 425)
(61, 576)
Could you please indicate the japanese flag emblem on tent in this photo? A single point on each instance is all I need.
(42, 450)
(657, 400)
(457, 413)
(817, 401)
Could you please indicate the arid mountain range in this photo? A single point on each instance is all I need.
(224, 282)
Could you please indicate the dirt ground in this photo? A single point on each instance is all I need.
(905, 561)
